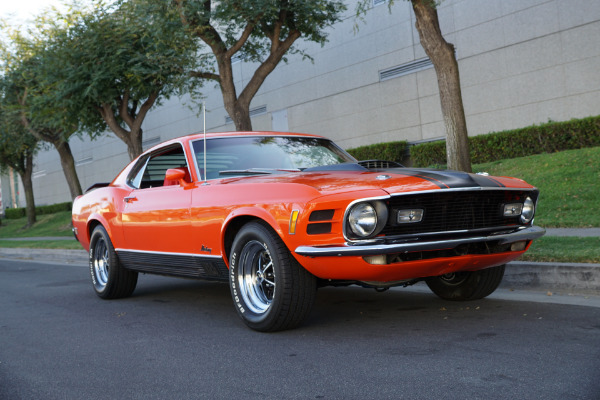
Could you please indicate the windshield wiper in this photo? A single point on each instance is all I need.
(256, 171)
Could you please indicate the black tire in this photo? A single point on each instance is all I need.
(109, 279)
(462, 286)
(271, 291)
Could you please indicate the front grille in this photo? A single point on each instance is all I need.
(454, 211)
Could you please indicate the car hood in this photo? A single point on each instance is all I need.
(391, 180)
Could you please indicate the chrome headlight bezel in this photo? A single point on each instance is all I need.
(364, 219)
(528, 211)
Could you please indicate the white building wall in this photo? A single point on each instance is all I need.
(521, 62)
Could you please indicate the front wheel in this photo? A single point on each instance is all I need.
(270, 289)
(470, 285)
(109, 279)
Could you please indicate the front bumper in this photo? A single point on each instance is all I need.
(521, 234)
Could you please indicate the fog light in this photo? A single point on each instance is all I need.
(376, 260)
(513, 210)
(518, 246)
(409, 216)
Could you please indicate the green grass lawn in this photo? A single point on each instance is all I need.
(564, 249)
(58, 224)
(42, 244)
(569, 184)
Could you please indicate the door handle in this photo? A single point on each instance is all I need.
(129, 199)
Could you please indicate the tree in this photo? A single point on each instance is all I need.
(260, 31)
(122, 60)
(444, 61)
(30, 65)
(17, 149)
(441, 53)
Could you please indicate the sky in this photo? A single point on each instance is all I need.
(20, 11)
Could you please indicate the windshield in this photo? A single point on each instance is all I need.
(248, 155)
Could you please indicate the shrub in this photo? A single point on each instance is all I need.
(545, 138)
(16, 213)
(54, 208)
(389, 151)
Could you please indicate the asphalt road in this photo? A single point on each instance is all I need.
(181, 339)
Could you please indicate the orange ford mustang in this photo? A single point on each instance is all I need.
(277, 215)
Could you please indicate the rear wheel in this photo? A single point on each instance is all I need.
(471, 285)
(109, 279)
(270, 289)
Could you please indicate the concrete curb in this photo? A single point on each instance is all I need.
(568, 277)
(50, 255)
(560, 277)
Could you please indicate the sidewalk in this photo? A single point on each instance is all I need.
(554, 277)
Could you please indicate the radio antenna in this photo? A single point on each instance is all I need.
(204, 125)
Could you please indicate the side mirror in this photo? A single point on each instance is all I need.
(175, 176)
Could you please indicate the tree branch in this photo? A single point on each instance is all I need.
(205, 75)
(137, 124)
(241, 41)
(267, 66)
(123, 106)
(109, 117)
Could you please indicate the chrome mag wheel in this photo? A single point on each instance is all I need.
(100, 264)
(256, 277)
(270, 290)
(109, 279)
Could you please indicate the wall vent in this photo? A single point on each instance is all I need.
(84, 161)
(405, 69)
(253, 113)
(378, 2)
(38, 174)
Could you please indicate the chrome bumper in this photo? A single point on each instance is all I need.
(530, 233)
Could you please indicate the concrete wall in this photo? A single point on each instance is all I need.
(521, 62)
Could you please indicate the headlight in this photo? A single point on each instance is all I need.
(362, 219)
(528, 211)
(366, 219)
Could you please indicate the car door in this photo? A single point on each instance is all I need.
(156, 214)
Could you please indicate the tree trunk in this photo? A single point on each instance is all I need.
(68, 165)
(134, 144)
(443, 58)
(240, 114)
(28, 187)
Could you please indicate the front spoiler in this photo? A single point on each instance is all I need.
(520, 234)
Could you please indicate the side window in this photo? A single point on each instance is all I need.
(151, 172)
(135, 176)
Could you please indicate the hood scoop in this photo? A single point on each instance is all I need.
(379, 164)
(359, 166)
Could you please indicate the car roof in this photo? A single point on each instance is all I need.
(212, 135)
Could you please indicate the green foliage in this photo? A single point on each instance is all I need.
(56, 224)
(41, 244)
(221, 24)
(260, 31)
(564, 249)
(16, 213)
(389, 151)
(116, 58)
(17, 145)
(550, 137)
(569, 183)
(100, 65)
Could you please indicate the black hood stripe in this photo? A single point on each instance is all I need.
(451, 179)
(444, 179)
